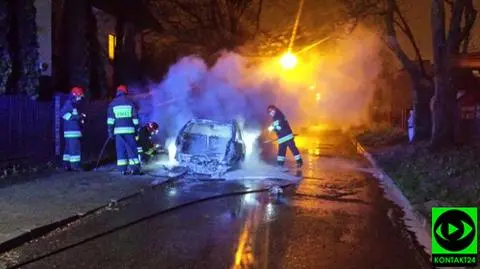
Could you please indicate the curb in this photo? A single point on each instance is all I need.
(46, 229)
(415, 222)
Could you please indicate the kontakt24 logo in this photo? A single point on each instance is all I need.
(454, 236)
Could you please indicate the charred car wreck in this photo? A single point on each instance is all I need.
(210, 148)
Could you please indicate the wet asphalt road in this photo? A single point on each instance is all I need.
(336, 217)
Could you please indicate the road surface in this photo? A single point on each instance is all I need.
(336, 217)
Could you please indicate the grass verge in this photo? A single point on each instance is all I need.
(447, 178)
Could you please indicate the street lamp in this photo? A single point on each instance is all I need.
(288, 60)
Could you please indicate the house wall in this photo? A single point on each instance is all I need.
(44, 33)
(105, 26)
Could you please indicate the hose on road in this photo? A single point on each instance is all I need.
(137, 221)
(102, 151)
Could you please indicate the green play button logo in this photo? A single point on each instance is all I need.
(454, 236)
(451, 229)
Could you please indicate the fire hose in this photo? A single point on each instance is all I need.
(273, 190)
(102, 151)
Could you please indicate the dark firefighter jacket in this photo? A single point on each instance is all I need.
(72, 127)
(281, 127)
(122, 116)
(144, 140)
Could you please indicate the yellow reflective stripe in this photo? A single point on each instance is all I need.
(133, 161)
(67, 116)
(124, 130)
(298, 157)
(66, 157)
(276, 125)
(122, 162)
(110, 121)
(123, 111)
(140, 149)
(72, 134)
(285, 138)
(280, 158)
(136, 121)
(75, 158)
(75, 112)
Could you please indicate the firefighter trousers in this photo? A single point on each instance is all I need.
(127, 155)
(72, 152)
(282, 152)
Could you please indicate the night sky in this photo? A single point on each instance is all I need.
(278, 13)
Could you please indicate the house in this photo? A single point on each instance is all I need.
(97, 48)
(94, 44)
(467, 83)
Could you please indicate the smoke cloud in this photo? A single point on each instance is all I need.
(332, 89)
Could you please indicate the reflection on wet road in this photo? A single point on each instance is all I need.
(336, 217)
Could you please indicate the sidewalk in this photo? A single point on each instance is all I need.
(60, 196)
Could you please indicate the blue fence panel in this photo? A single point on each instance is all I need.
(26, 130)
(32, 130)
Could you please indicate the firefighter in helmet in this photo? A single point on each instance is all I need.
(146, 148)
(285, 136)
(72, 130)
(122, 124)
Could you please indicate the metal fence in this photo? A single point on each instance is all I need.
(26, 129)
(32, 130)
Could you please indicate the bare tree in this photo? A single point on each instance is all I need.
(445, 47)
(209, 24)
(390, 19)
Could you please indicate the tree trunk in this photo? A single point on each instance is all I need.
(28, 80)
(421, 107)
(5, 62)
(77, 46)
(444, 111)
(444, 101)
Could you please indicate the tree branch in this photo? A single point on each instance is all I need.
(455, 29)
(391, 37)
(408, 32)
(470, 16)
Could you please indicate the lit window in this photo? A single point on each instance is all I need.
(112, 42)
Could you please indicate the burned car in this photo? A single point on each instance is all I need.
(208, 147)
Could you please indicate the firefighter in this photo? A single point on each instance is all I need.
(72, 130)
(146, 148)
(123, 124)
(285, 136)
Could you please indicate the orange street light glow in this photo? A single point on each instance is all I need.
(288, 61)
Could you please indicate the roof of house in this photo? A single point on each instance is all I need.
(468, 60)
(131, 10)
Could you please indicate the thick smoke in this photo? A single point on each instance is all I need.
(333, 89)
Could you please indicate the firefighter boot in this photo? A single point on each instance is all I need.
(137, 172)
(299, 163)
(66, 167)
